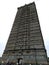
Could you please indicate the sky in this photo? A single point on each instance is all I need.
(8, 10)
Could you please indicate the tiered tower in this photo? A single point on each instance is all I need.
(25, 41)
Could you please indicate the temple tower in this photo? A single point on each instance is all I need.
(25, 42)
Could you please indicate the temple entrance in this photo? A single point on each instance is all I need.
(20, 61)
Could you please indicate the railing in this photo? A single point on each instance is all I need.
(21, 64)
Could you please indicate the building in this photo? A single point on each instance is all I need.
(25, 44)
(48, 60)
(0, 59)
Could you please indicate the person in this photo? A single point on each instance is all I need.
(0, 63)
(8, 63)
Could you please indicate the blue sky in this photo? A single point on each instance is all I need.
(8, 9)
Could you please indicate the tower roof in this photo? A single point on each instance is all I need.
(33, 3)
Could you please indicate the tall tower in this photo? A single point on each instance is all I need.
(25, 41)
